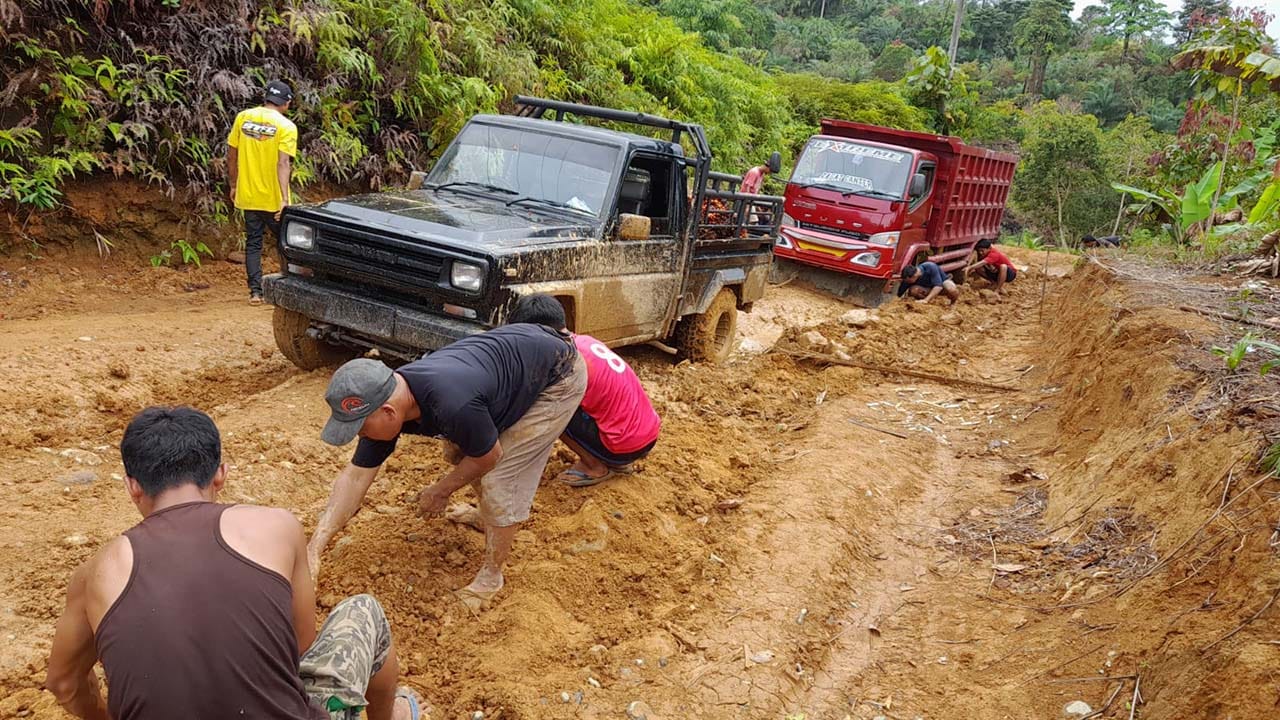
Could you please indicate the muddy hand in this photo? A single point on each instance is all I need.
(431, 502)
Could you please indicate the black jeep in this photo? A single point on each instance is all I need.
(638, 240)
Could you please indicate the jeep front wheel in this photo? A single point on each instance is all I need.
(301, 349)
(708, 336)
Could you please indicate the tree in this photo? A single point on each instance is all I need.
(1195, 13)
(723, 24)
(1062, 173)
(1130, 18)
(1042, 30)
(931, 83)
(894, 63)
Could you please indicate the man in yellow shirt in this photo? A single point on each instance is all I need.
(263, 143)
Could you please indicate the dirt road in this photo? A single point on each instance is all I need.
(808, 540)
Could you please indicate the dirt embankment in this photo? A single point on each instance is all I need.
(806, 539)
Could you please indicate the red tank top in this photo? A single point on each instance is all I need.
(200, 631)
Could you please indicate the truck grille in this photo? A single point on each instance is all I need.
(381, 260)
(834, 231)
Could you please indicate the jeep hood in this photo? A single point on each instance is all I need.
(456, 218)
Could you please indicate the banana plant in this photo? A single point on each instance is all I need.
(1195, 205)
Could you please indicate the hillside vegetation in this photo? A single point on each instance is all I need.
(147, 88)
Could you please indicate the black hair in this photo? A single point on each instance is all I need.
(539, 308)
(166, 448)
(1088, 239)
(908, 271)
(983, 244)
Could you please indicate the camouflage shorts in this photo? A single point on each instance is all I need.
(352, 646)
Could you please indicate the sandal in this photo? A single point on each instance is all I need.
(579, 479)
(415, 706)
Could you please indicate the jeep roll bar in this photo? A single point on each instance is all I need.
(537, 107)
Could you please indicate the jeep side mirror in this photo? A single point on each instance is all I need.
(775, 162)
(918, 185)
(634, 227)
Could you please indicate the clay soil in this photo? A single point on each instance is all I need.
(808, 540)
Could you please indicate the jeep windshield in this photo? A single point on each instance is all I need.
(539, 169)
(853, 168)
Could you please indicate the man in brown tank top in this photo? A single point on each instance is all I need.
(202, 610)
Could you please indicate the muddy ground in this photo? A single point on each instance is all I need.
(807, 539)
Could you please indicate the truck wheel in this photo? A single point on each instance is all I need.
(708, 336)
(301, 349)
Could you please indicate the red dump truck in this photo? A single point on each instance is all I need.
(865, 201)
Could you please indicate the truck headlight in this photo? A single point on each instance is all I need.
(885, 238)
(869, 259)
(466, 276)
(297, 235)
(788, 221)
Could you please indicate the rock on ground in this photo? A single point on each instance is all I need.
(1077, 709)
(815, 342)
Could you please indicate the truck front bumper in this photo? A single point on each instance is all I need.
(378, 324)
(836, 253)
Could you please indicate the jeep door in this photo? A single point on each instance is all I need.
(632, 290)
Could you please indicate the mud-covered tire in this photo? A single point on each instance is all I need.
(709, 336)
(306, 352)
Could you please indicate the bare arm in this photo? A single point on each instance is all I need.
(348, 492)
(431, 501)
(304, 588)
(933, 293)
(233, 169)
(70, 675)
(284, 172)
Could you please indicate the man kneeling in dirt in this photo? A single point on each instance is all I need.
(995, 266)
(925, 281)
(201, 610)
(501, 398)
(616, 424)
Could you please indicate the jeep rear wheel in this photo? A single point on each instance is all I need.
(708, 336)
(301, 349)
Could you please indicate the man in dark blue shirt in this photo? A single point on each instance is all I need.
(925, 281)
(500, 399)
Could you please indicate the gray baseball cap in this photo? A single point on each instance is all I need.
(357, 389)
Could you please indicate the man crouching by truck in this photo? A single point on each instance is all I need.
(501, 398)
(925, 282)
(616, 424)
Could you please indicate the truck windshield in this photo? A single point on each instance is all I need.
(562, 172)
(853, 168)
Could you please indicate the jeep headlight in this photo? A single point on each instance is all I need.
(466, 276)
(297, 235)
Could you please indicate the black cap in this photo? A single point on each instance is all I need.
(278, 93)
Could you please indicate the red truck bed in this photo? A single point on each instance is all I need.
(971, 188)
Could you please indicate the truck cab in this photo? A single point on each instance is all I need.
(608, 222)
(865, 201)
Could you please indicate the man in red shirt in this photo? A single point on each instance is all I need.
(616, 424)
(995, 265)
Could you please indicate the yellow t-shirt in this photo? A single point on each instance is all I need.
(261, 134)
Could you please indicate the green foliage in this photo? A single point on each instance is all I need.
(1063, 171)
(931, 82)
(184, 251)
(812, 98)
(1234, 356)
(1135, 18)
(893, 63)
(1039, 33)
